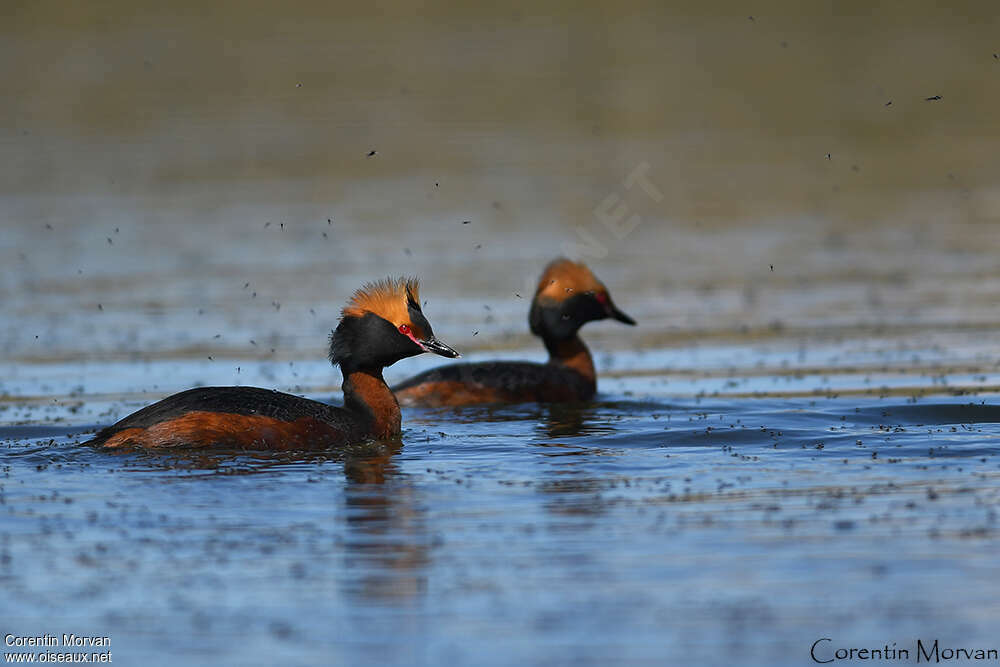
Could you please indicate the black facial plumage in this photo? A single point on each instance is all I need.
(561, 320)
(420, 322)
(370, 342)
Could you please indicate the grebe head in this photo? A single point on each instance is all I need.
(382, 324)
(569, 296)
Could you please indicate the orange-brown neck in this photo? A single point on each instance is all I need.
(365, 392)
(573, 354)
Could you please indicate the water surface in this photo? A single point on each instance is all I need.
(798, 441)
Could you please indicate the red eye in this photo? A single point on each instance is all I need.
(602, 298)
(404, 329)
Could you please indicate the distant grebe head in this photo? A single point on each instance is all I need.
(569, 296)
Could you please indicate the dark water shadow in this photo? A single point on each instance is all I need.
(387, 541)
(39, 432)
(932, 413)
(209, 462)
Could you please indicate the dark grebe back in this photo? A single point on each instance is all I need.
(568, 296)
(382, 324)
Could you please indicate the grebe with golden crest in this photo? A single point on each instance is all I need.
(381, 324)
(568, 296)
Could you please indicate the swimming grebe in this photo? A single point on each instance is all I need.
(568, 296)
(379, 326)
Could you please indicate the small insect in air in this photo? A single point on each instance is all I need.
(889, 103)
(465, 222)
(372, 153)
(772, 267)
(932, 98)
(829, 156)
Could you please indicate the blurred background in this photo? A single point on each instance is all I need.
(798, 201)
(184, 179)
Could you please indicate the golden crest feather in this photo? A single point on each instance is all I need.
(388, 298)
(563, 278)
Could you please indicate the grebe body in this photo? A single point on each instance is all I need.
(382, 324)
(568, 296)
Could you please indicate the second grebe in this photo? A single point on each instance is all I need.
(568, 296)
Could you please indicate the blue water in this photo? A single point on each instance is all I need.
(773, 457)
(711, 527)
(799, 439)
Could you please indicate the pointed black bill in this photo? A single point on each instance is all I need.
(437, 347)
(620, 316)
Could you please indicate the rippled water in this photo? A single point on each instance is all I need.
(799, 440)
(700, 515)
